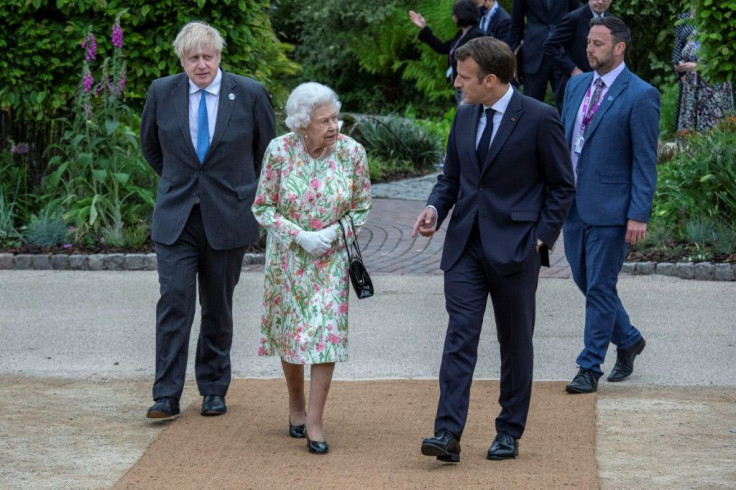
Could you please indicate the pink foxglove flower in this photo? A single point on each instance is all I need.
(117, 35)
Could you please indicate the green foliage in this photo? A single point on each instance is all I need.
(716, 25)
(668, 105)
(699, 182)
(397, 139)
(97, 172)
(359, 48)
(47, 229)
(652, 25)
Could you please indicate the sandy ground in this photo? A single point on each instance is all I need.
(63, 433)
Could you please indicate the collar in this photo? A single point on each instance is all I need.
(492, 12)
(502, 103)
(213, 88)
(611, 76)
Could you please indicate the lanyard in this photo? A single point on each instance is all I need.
(588, 114)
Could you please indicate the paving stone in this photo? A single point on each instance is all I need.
(114, 262)
(724, 272)
(60, 262)
(703, 271)
(685, 270)
(78, 262)
(666, 269)
(139, 262)
(96, 262)
(6, 262)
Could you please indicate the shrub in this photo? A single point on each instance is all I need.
(47, 229)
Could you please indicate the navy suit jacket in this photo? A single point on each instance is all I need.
(617, 168)
(500, 26)
(568, 42)
(444, 47)
(226, 181)
(540, 20)
(521, 193)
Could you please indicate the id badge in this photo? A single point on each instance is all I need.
(578, 148)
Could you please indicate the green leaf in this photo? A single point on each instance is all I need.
(111, 126)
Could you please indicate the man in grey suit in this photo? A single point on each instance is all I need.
(508, 181)
(611, 120)
(204, 132)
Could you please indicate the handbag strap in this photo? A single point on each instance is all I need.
(356, 247)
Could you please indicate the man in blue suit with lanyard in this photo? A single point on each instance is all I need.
(611, 120)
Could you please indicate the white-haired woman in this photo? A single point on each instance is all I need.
(312, 179)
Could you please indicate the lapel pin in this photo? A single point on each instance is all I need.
(231, 96)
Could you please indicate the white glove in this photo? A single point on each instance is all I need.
(313, 242)
(329, 233)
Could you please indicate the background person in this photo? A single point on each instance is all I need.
(567, 43)
(204, 133)
(611, 120)
(313, 180)
(531, 22)
(465, 15)
(494, 20)
(700, 104)
(508, 179)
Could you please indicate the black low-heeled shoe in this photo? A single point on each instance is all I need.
(317, 447)
(297, 431)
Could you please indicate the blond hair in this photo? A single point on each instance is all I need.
(197, 35)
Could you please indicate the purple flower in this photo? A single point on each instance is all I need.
(121, 82)
(117, 35)
(91, 44)
(67, 245)
(20, 149)
(88, 81)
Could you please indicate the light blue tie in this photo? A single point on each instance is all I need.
(203, 128)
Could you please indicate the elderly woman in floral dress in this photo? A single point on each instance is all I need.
(313, 180)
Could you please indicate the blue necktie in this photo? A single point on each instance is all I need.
(485, 138)
(203, 128)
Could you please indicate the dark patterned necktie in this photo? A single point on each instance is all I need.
(485, 138)
(599, 84)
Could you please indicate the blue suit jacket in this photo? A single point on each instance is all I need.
(522, 192)
(617, 169)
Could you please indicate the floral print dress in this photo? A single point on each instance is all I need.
(305, 302)
(701, 104)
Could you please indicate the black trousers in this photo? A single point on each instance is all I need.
(467, 287)
(181, 265)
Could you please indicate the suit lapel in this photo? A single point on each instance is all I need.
(622, 81)
(508, 123)
(571, 108)
(228, 96)
(180, 94)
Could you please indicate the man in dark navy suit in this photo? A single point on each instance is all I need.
(531, 22)
(508, 181)
(567, 43)
(494, 20)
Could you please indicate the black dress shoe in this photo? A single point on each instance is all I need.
(625, 361)
(504, 446)
(584, 382)
(213, 405)
(317, 447)
(297, 431)
(444, 445)
(164, 408)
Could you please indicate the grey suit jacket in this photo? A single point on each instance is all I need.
(521, 193)
(226, 181)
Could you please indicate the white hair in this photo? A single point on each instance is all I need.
(197, 35)
(302, 102)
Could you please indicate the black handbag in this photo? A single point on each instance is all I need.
(359, 277)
